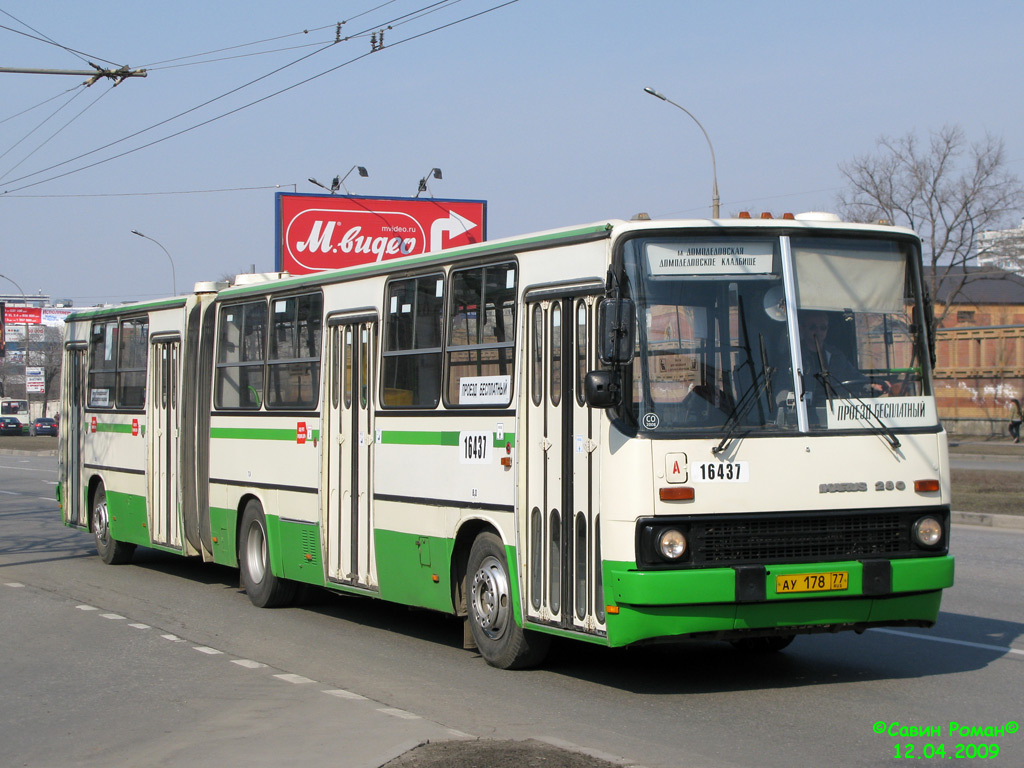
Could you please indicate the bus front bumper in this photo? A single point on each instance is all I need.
(746, 600)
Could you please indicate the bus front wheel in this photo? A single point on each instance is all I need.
(500, 640)
(110, 550)
(265, 590)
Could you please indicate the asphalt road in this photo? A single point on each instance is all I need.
(165, 662)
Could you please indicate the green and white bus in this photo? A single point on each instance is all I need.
(621, 433)
(16, 409)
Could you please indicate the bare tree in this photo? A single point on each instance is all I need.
(947, 191)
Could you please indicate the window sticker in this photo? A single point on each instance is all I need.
(484, 390)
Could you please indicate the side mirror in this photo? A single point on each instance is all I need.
(617, 328)
(601, 389)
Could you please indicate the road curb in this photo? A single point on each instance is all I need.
(1011, 522)
(14, 452)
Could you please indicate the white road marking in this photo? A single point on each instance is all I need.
(286, 677)
(296, 679)
(343, 694)
(15, 584)
(400, 713)
(950, 641)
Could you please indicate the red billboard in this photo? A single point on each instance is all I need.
(23, 315)
(316, 233)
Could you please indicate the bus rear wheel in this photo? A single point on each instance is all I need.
(500, 640)
(265, 590)
(110, 550)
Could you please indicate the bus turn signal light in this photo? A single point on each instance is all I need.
(676, 493)
(926, 486)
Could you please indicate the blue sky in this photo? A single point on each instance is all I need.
(537, 107)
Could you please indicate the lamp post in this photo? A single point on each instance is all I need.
(174, 279)
(339, 181)
(436, 173)
(714, 171)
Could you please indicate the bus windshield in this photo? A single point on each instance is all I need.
(719, 349)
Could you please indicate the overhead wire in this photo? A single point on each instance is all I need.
(155, 194)
(43, 122)
(238, 56)
(43, 38)
(401, 19)
(42, 103)
(157, 64)
(199, 106)
(53, 135)
(336, 25)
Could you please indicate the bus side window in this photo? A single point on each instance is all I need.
(241, 350)
(480, 351)
(133, 342)
(411, 358)
(293, 364)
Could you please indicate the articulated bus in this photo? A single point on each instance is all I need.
(622, 433)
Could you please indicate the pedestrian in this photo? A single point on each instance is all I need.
(1015, 419)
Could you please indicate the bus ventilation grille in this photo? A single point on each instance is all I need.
(800, 538)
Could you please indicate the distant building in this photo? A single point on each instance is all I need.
(1002, 248)
(979, 363)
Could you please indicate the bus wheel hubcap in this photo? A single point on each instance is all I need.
(256, 553)
(489, 594)
(100, 525)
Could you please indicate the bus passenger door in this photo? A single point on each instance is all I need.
(164, 525)
(72, 433)
(560, 525)
(348, 453)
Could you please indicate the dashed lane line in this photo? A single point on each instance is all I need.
(288, 677)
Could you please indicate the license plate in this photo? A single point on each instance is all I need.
(830, 581)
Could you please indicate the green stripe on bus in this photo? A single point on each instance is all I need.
(243, 433)
(122, 429)
(126, 309)
(450, 439)
(440, 257)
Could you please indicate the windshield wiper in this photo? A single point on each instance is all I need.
(762, 383)
(768, 371)
(828, 381)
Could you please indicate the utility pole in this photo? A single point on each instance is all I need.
(117, 75)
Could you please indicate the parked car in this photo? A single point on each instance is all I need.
(43, 426)
(9, 426)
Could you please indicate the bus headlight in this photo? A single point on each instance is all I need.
(927, 532)
(671, 544)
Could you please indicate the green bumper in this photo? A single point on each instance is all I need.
(663, 604)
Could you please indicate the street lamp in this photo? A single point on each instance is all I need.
(174, 279)
(339, 181)
(5, 277)
(436, 173)
(714, 171)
